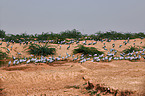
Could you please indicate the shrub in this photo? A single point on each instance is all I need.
(41, 50)
(2, 56)
(87, 50)
(2, 33)
(131, 49)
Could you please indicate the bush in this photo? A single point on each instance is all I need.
(41, 50)
(87, 50)
(131, 49)
(2, 56)
(2, 33)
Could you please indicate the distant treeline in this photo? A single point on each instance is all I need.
(72, 34)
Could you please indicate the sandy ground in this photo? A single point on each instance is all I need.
(37, 80)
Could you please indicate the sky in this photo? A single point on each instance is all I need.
(87, 16)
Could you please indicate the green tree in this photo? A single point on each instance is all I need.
(2, 34)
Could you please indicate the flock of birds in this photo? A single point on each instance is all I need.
(111, 55)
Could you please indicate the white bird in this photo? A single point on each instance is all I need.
(101, 55)
(94, 43)
(50, 60)
(75, 58)
(17, 62)
(73, 55)
(121, 58)
(95, 58)
(87, 59)
(81, 61)
(66, 57)
(106, 58)
(14, 57)
(90, 55)
(84, 60)
(139, 56)
(33, 59)
(98, 60)
(116, 58)
(28, 61)
(9, 63)
(38, 60)
(14, 62)
(57, 58)
(110, 59)
(103, 59)
(95, 54)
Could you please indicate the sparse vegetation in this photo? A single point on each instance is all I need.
(2, 56)
(41, 50)
(75, 86)
(87, 50)
(131, 49)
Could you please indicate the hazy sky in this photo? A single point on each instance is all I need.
(87, 16)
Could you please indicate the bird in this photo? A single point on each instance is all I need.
(9, 63)
(110, 59)
(17, 62)
(68, 47)
(62, 58)
(121, 58)
(139, 57)
(73, 55)
(106, 58)
(94, 43)
(113, 45)
(33, 59)
(14, 62)
(11, 47)
(89, 43)
(21, 60)
(75, 58)
(95, 54)
(8, 49)
(81, 61)
(101, 55)
(88, 59)
(115, 58)
(103, 59)
(18, 53)
(105, 49)
(92, 60)
(50, 60)
(66, 57)
(120, 46)
(32, 55)
(13, 57)
(77, 42)
(59, 56)
(98, 60)
(28, 61)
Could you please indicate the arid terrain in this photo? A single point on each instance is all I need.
(62, 77)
